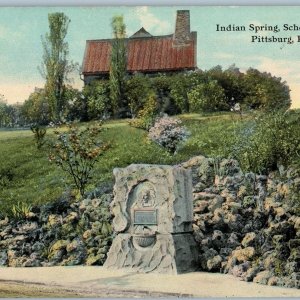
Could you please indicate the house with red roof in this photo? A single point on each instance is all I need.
(146, 54)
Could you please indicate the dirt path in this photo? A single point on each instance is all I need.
(12, 289)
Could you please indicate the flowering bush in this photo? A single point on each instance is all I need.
(168, 133)
(76, 152)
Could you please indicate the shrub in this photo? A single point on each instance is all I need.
(269, 141)
(146, 116)
(39, 135)
(207, 97)
(179, 88)
(21, 210)
(168, 133)
(138, 89)
(97, 99)
(76, 152)
(162, 86)
(265, 92)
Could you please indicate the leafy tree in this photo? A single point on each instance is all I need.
(137, 92)
(4, 119)
(207, 97)
(266, 92)
(146, 116)
(231, 81)
(10, 114)
(162, 86)
(36, 108)
(179, 89)
(75, 107)
(117, 72)
(55, 66)
(96, 96)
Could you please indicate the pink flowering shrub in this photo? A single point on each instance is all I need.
(168, 133)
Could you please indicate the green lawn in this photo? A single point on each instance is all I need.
(26, 175)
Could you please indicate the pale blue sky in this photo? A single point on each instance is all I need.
(21, 49)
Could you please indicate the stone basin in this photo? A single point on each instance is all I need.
(144, 240)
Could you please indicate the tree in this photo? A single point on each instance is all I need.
(9, 113)
(36, 108)
(117, 72)
(207, 97)
(231, 80)
(97, 98)
(265, 91)
(55, 66)
(138, 89)
(4, 119)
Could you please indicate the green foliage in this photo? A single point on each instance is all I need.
(269, 141)
(55, 66)
(39, 135)
(138, 89)
(97, 97)
(232, 82)
(179, 88)
(161, 84)
(76, 106)
(212, 135)
(207, 97)
(36, 108)
(265, 92)
(21, 210)
(117, 71)
(146, 116)
(76, 153)
(9, 113)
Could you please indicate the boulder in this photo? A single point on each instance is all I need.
(249, 239)
(263, 277)
(214, 264)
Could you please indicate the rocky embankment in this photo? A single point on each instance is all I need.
(244, 225)
(58, 234)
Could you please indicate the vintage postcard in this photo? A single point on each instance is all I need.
(150, 151)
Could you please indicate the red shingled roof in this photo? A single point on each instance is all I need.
(149, 54)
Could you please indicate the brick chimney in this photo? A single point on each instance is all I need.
(182, 35)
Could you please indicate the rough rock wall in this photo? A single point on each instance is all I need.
(243, 223)
(58, 234)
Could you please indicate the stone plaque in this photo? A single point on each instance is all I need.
(145, 217)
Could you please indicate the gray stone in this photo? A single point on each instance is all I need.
(153, 217)
(249, 239)
(240, 270)
(262, 277)
(214, 264)
(218, 239)
(233, 240)
(3, 258)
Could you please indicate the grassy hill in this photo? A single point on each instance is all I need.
(27, 176)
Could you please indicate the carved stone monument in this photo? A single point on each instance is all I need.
(153, 216)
